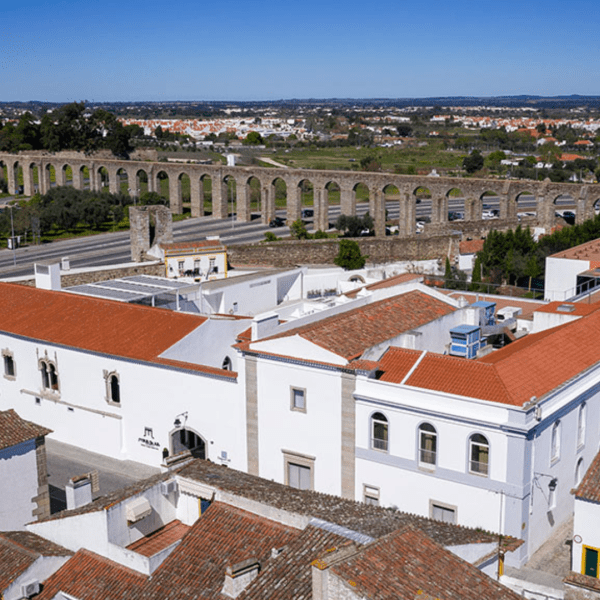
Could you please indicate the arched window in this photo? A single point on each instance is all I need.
(479, 454)
(579, 472)
(227, 366)
(581, 425)
(555, 442)
(113, 387)
(379, 432)
(49, 375)
(427, 444)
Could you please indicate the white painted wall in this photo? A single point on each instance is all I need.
(18, 474)
(40, 570)
(561, 277)
(586, 525)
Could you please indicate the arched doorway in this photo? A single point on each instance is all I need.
(186, 439)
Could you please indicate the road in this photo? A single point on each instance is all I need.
(113, 248)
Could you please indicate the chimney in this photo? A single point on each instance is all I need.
(239, 576)
(264, 325)
(320, 569)
(79, 491)
(47, 275)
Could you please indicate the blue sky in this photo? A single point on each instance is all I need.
(267, 50)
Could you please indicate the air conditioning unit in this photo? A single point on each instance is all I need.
(168, 487)
(30, 588)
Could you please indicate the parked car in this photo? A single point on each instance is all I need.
(277, 222)
(307, 213)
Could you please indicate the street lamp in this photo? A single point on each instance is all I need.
(12, 238)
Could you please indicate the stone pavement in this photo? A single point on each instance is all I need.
(65, 461)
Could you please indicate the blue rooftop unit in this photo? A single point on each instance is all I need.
(487, 312)
(466, 341)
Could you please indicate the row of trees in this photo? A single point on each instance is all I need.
(65, 208)
(70, 127)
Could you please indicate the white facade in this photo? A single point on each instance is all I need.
(19, 477)
(561, 277)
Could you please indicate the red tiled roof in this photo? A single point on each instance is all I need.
(386, 283)
(579, 309)
(223, 536)
(531, 366)
(589, 488)
(88, 576)
(350, 333)
(528, 307)
(93, 324)
(588, 251)
(470, 246)
(160, 539)
(14, 430)
(407, 563)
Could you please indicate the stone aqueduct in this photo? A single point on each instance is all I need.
(584, 197)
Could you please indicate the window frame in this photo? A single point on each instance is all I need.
(422, 435)
(108, 377)
(371, 495)
(293, 390)
(581, 425)
(444, 506)
(49, 372)
(374, 420)
(8, 355)
(555, 439)
(302, 460)
(471, 461)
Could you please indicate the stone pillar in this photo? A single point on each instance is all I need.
(545, 212)
(139, 232)
(60, 175)
(12, 180)
(321, 221)
(28, 185)
(175, 201)
(470, 204)
(584, 209)
(78, 177)
(508, 207)
(114, 181)
(151, 180)
(252, 414)
(377, 207)
(197, 196)
(347, 201)
(163, 219)
(406, 221)
(219, 197)
(439, 209)
(44, 177)
(293, 202)
(268, 195)
(242, 200)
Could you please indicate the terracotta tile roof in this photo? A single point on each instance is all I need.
(584, 581)
(289, 575)
(408, 564)
(589, 488)
(160, 539)
(14, 430)
(223, 536)
(470, 246)
(578, 309)
(386, 283)
(530, 366)
(588, 251)
(192, 247)
(373, 521)
(351, 333)
(93, 324)
(107, 501)
(88, 576)
(19, 550)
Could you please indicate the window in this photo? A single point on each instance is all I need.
(427, 444)
(579, 472)
(555, 442)
(379, 432)
(180, 266)
(299, 470)
(442, 512)
(10, 371)
(298, 399)
(371, 495)
(581, 425)
(226, 366)
(552, 493)
(479, 454)
(49, 375)
(113, 387)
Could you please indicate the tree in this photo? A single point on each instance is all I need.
(298, 230)
(404, 130)
(349, 256)
(253, 139)
(473, 162)
(353, 225)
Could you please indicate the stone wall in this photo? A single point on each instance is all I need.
(288, 253)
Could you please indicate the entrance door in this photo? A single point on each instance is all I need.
(184, 439)
(591, 562)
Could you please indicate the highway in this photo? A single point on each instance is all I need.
(113, 248)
